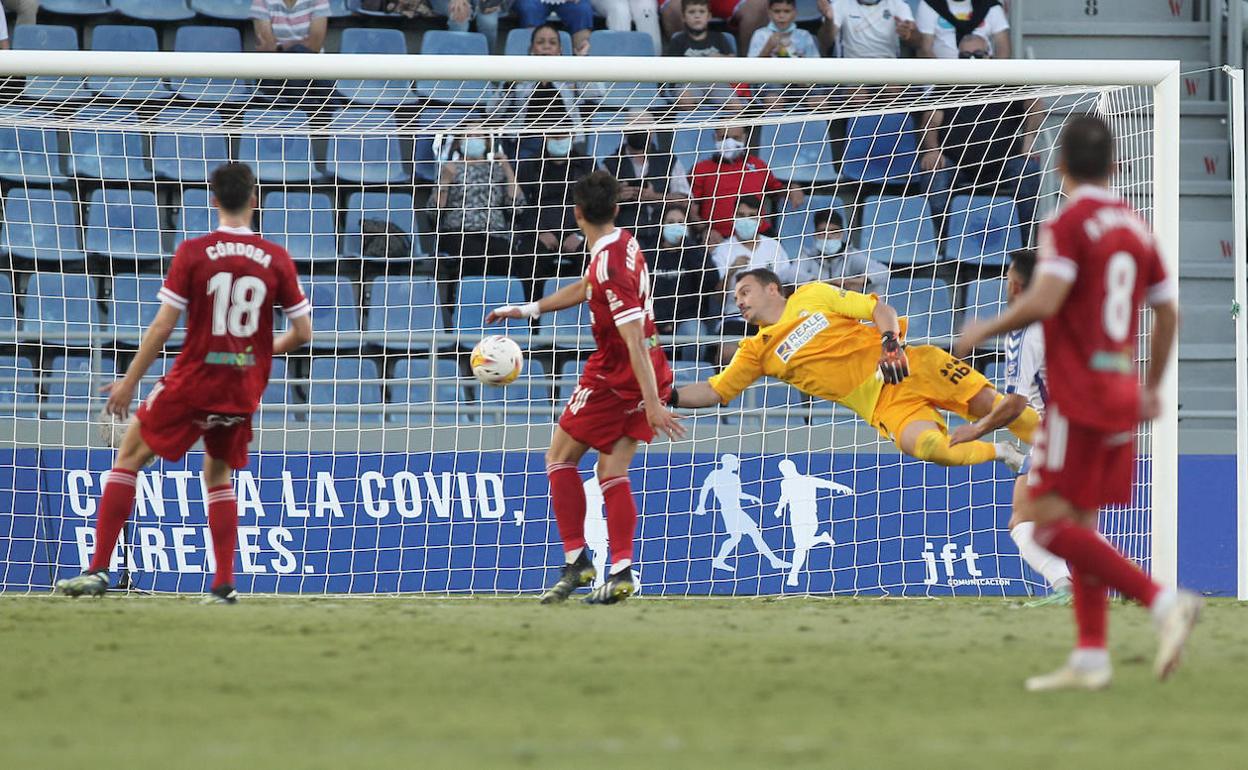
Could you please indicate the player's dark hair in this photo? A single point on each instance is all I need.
(1023, 262)
(1086, 148)
(763, 276)
(596, 194)
(753, 201)
(233, 185)
(824, 215)
(686, 3)
(781, 2)
(544, 25)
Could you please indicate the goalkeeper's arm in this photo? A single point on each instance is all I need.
(894, 366)
(693, 396)
(568, 296)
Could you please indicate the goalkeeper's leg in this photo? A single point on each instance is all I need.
(927, 440)
(1023, 427)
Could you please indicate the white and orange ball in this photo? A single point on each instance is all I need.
(497, 360)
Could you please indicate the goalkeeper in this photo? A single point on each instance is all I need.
(816, 341)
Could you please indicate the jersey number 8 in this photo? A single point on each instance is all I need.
(235, 304)
(1119, 291)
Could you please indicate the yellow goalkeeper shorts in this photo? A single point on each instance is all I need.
(937, 381)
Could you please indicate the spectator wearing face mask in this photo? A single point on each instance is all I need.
(942, 24)
(867, 29)
(745, 249)
(718, 182)
(547, 181)
(828, 258)
(681, 275)
(649, 177)
(477, 196)
(782, 38)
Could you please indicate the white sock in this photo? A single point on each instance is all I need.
(1089, 658)
(620, 566)
(1051, 567)
(1163, 603)
(573, 555)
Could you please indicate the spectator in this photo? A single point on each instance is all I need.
(547, 181)
(5, 43)
(681, 276)
(291, 26)
(696, 40)
(745, 249)
(942, 24)
(717, 183)
(782, 38)
(622, 15)
(867, 29)
(486, 13)
(985, 149)
(829, 258)
(26, 10)
(649, 177)
(476, 197)
(576, 15)
(749, 15)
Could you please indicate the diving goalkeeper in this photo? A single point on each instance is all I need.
(816, 341)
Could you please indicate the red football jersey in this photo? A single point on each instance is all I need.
(618, 292)
(227, 283)
(1109, 255)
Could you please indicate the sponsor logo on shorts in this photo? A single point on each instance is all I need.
(802, 334)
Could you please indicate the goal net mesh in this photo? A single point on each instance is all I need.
(412, 208)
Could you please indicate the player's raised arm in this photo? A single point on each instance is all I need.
(121, 392)
(894, 366)
(569, 296)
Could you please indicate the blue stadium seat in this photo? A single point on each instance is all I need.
(304, 223)
(134, 304)
(779, 402)
(418, 382)
(334, 310)
(59, 306)
(124, 37)
(807, 12)
(401, 307)
(8, 305)
(226, 10)
(364, 149)
(434, 117)
(29, 155)
(461, 92)
(519, 395)
(985, 298)
(518, 40)
(107, 154)
(278, 394)
(17, 386)
(41, 224)
(601, 145)
(982, 229)
(928, 304)
(340, 9)
(343, 382)
(76, 7)
(605, 42)
(477, 297)
(275, 149)
(47, 37)
(570, 374)
(123, 224)
(189, 156)
(396, 208)
(898, 230)
(798, 152)
(211, 39)
(196, 215)
(146, 10)
(71, 387)
(691, 145)
(685, 372)
(383, 92)
(796, 223)
(880, 148)
(571, 323)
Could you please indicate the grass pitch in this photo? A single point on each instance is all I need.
(145, 682)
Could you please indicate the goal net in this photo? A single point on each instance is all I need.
(415, 194)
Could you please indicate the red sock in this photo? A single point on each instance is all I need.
(223, 523)
(114, 508)
(1087, 552)
(617, 498)
(567, 497)
(1091, 608)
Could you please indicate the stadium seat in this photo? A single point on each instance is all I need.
(134, 305)
(898, 230)
(8, 305)
(691, 145)
(60, 307)
(530, 399)
(572, 324)
(189, 156)
(123, 224)
(18, 385)
(477, 297)
(71, 387)
(780, 403)
(982, 229)
(570, 375)
(685, 372)
(275, 150)
(303, 223)
(41, 224)
(146, 10)
(985, 298)
(196, 215)
(210, 39)
(29, 155)
(796, 223)
(798, 152)
(339, 9)
(418, 382)
(124, 37)
(383, 92)
(110, 155)
(346, 383)
(278, 394)
(461, 92)
(49, 37)
(363, 148)
(928, 304)
(395, 208)
(226, 10)
(880, 148)
(518, 40)
(335, 311)
(605, 42)
(76, 7)
(403, 313)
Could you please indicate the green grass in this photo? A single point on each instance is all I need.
(146, 682)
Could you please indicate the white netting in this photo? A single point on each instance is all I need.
(379, 465)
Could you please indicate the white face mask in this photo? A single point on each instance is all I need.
(830, 246)
(559, 147)
(474, 148)
(675, 232)
(746, 228)
(730, 149)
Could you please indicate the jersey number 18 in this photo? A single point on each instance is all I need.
(236, 304)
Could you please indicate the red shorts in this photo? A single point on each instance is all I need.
(720, 9)
(170, 426)
(1088, 468)
(601, 417)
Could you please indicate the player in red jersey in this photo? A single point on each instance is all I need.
(227, 282)
(1099, 263)
(619, 400)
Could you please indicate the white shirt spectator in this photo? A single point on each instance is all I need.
(800, 43)
(870, 31)
(945, 40)
(290, 23)
(853, 263)
(767, 253)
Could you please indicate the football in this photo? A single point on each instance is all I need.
(497, 360)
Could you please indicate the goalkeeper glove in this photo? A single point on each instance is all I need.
(893, 364)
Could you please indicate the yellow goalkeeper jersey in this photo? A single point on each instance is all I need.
(819, 346)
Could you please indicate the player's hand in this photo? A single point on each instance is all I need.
(1150, 404)
(527, 310)
(893, 362)
(963, 433)
(974, 332)
(664, 421)
(120, 394)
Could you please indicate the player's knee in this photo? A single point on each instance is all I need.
(932, 446)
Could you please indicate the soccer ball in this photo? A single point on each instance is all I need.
(497, 360)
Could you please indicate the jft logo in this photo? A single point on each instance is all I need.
(948, 557)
